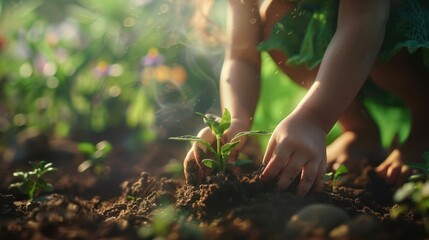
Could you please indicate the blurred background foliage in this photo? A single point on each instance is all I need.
(134, 68)
(75, 68)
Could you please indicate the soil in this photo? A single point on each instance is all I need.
(137, 199)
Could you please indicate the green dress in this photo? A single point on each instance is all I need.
(304, 34)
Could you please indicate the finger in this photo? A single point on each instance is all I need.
(197, 157)
(318, 183)
(233, 156)
(392, 173)
(191, 169)
(340, 161)
(207, 135)
(404, 173)
(270, 149)
(276, 163)
(330, 166)
(291, 170)
(308, 177)
(381, 170)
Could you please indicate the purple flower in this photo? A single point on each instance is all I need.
(152, 58)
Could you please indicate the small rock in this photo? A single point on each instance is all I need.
(315, 221)
(361, 227)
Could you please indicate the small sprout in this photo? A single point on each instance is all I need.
(415, 193)
(422, 167)
(222, 152)
(32, 181)
(174, 168)
(404, 192)
(96, 156)
(131, 198)
(336, 176)
(167, 219)
(412, 195)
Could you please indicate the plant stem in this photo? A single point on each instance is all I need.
(219, 155)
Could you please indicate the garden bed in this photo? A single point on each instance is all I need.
(137, 201)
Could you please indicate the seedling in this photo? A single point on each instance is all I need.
(222, 152)
(336, 176)
(174, 168)
(32, 181)
(414, 193)
(131, 198)
(96, 156)
(423, 167)
(167, 220)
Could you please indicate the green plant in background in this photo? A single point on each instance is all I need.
(415, 193)
(165, 221)
(222, 152)
(78, 67)
(336, 176)
(174, 168)
(423, 169)
(96, 156)
(32, 182)
(412, 195)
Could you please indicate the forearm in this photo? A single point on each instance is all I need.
(239, 84)
(239, 89)
(345, 67)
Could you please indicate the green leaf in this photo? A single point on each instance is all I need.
(328, 176)
(227, 148)
(421, 166)
(341, 170)
(208, 121)
(44, 171)
(186, 138)
(86, 147)
(211, 121)
(48, 187)
(210, 163)
(404, 192)
(201, 114)
(28, 187)
(246, 133)
(85, 165)
(242, 162)
(104, 146)
(196, 139)
(47, 165)
(395, 212)
(15, 185)
(20, 174)
(225, 122)
(35, 165)
(417, 177)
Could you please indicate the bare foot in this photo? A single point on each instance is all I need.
(353, 149)
(394, 169)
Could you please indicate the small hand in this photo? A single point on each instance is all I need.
(194, 169)
(394, 170)
(192, 165)
(296, 148)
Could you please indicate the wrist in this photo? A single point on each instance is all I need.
(313, 118)
(241, 123)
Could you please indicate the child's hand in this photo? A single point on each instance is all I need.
(296, 148)
(192, 165)
(194, 169)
